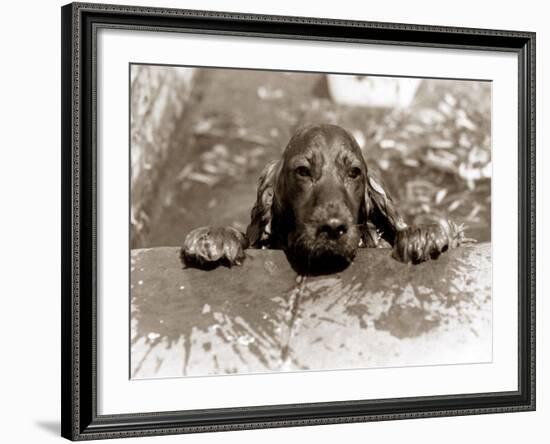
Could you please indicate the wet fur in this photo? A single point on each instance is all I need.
(322, 176)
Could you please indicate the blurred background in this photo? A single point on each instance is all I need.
(201, 136)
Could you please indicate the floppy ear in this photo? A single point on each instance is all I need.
(383, 220)
(258, 232)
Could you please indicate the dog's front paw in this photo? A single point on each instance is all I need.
(419, 243)
(208, 247)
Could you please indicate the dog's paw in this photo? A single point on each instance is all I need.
(419, 243)
(208, 247)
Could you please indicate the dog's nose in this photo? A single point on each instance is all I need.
(333, 228)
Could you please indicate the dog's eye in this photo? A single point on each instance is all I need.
(303, 171)
(354, 172)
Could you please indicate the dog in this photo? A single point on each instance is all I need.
(320, 203)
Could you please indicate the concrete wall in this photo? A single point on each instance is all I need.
(262, 317)
(159, 97)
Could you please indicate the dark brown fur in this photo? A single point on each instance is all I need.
(319, 203)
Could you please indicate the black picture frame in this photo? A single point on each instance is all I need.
(79, 386)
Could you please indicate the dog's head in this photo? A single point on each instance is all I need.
(319, 202)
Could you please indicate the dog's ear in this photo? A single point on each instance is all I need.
(258, 232)
(382, 219)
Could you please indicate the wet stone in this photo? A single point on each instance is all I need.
(261, 317)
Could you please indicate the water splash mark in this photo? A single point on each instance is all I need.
(408, 316)
(292, 316)
(152, 345)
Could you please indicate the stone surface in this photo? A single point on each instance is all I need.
(262, 317)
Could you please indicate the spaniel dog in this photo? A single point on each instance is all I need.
(320, 203)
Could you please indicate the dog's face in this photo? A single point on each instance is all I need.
(319, 196)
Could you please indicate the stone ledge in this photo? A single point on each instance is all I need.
(262, 317)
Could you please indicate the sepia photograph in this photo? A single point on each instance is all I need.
(276, 221)
(286, 221)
